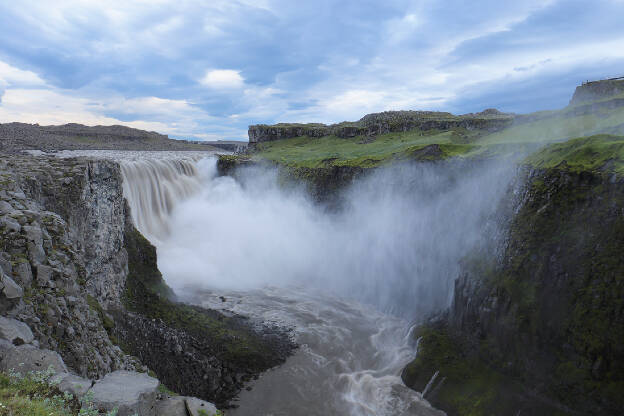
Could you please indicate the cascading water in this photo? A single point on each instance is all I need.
(347, 282)
(152, 188)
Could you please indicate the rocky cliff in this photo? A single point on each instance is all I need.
(78, 273)
(49, 208)
(537, 325)
(381, 123)
(596, 90)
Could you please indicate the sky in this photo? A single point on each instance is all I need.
(205, 70)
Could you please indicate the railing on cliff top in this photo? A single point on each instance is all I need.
(604, 79)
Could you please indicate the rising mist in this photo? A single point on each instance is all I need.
(395, 243)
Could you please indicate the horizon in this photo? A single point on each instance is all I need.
(198, 72)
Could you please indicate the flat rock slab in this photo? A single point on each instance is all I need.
(172, 406)
(14, 331)
(128, 391)
(184, 406)
(27, 358)
(197, 407)
(69, 383)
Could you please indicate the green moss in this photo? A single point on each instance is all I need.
(601, 153)
(164, 390)
(107, 322)
(364, 152)
(465, 385)
(562, 285)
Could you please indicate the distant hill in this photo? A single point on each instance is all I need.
(22, 136)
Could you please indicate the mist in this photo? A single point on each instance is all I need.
(395, 243)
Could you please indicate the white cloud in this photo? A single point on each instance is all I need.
(223, 79)
(11, 76)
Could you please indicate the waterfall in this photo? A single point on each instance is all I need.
(153, 187)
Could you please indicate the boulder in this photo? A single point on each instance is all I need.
(44, 274)
(69, 383)
(33, 234)
(10, 289)
(26, 358)
(5, 207)
(171, 406)
(10, 224)
(197, 407)
(130, 392)
(14, 331)
(23, 273)
(184, 406)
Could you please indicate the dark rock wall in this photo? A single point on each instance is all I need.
(549, 312)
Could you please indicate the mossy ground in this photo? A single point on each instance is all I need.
(600, 153)
(364, 152)
(523, 136)
(34, 395)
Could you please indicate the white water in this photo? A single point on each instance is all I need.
(346, 282)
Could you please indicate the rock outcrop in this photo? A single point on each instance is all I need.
(77, 274)
(543, 320)
(47, 249)
(381, 123)
(596, 90)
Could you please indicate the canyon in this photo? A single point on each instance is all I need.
(410, 263)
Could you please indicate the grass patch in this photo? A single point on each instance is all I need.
(37, 394)
(558, 126)
(360, 151)
(601, 153)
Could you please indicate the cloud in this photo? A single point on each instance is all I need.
(223, 79)
(210, 69)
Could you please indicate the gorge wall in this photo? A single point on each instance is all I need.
(542, 322)
(381, 123)
(596, 90)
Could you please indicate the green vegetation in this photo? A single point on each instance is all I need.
(363, 152)
(559, 125)
(602, 153)
(465, 386)
(529, 131)
(107, 321)
(37, 394)
(558, 316)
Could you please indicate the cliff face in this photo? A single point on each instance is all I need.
(89, 196)
(553, 311)
(596, 90)
(381, 123)
(76, 270)
(547, 314)
(47, 254)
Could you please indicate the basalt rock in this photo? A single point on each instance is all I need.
(544, 312)
(380, 123)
